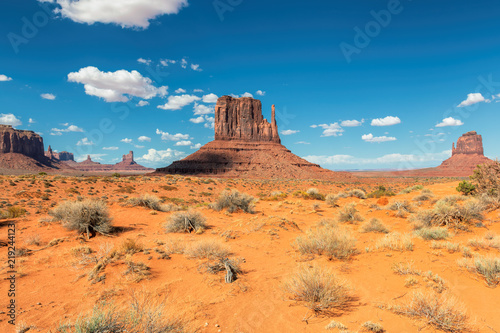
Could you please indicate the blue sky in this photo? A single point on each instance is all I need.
(357, 84)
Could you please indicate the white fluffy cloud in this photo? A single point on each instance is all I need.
(144, 61)
(209, 122)
(9, 119)
(196, 67)
(260, 93)
(85, 142)
(450, 121)
(247, 94)
(197, 120)
(116, 86)
(4, 78)
(110, 148)
(330, 129)
(386, 159)
(200, 109)
(352, 123)
(377, 139)
(126, 140)
(161, 156)
(144, 138)
(48, 96)
(387, 121)
(472, 99)
(210, 98)
(125, 13)
(196, 146)
(184, 143)
(289, 132)
(142, 103)
(178, 102)
(172, 137)
(180, 91)
(32, 121)
(69, 128)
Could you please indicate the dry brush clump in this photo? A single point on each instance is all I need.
(402, 208)
(441, 312)
(234, 201)
(190, 221)
(349, 214)
(487, 267)
(332, 242)
(486, 178)
(88, 216)
(374, 225)
(434, 233)
(151, 202)
(319, 289)
(396, 242)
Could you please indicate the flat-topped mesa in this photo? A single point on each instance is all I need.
(241, 119)
(469, 143)
(27, 143)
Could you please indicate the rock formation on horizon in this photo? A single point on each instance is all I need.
(466, 155)
(127, 164)
(246, 145)
(61, 156)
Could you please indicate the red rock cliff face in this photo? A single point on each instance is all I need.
(241, 119)
(27, 143)
(469, 143)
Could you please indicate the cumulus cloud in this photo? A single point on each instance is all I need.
(209, 122)
(172, 137)
(200, 109)
(196, 67)
(210, 98)
(142, 103)
(289, 132)
(110, 148)
(126, 140)
(178, 102)
(198, 90)
(196, 146)
(184, 63)
(387, 121)
(247, 94)
(450, 121)
(472, 99)
(144, 138)
(116, 86)
(32, 121)
(330, 129)
(161, 156)
(184, 143)
(352, 123)
(85, 142)
(386, 159)
(48, 96)
(4, 78)
(180, 91)
(9, 119)
(125, 13)
(197, 120)
(144, 61)
(377, 139)
(69, 128)
(167, 62)
(260, 93)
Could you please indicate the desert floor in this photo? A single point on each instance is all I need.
(53, 284)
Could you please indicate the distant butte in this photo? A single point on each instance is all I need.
(246, 145)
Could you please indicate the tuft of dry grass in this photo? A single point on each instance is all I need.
(234, 201)
(319, 289)
(349, 214)
(335, 324)
(83, 216)
(357, 193)
(331, 200)
(33, 239)
(207, 249)
(131, 246)
(333, 242)
(369, 326)
(490, 240)
(375, 225)
(151, 202)
(448, 214)
(402, 208)
(441, 312)
(487, 267)
(435, 233)
(190, 221)
(137, 271)
(396, 242)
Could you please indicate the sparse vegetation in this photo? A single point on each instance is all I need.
(149, 201)
(486, 179)
(372, 327)
(349, 214)
(488, 268)
(402, 208)
(381, 191)
(435, 233)
(450, 215)
(466, 188)
(88, 216)
(190, 221)
(234, 201)
(374, 225)
(207, 249)
(396, 242)
(332, 242)
(412, 189)
(319, 289)
(331, 200)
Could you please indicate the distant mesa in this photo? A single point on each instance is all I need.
(246, 145)
(466, 155)
(127, 164)
(61, 156)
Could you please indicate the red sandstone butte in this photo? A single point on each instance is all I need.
(127, 164)
(246, 145)
(467, 154)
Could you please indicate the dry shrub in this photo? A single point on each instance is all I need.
(335, 324)
(319, 289)
(372, 327)
(441, 312)
(357, 193)
(234, 201)
(148, 201)
(131, 246)
(137, 271)
(450, 215)
(313, 194)
(434, 233)
(33, 239)
(411, 189)
(396, 242)
(488, 268)
(374, 225)
(83, 216)
(12, 212)
(424, 196)
(402, 208)
(207, 249)
(486, 178)
(349, 214)
(190, 221)
(490, 240)
(332, 242)
(331, 200)
(451, 247)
